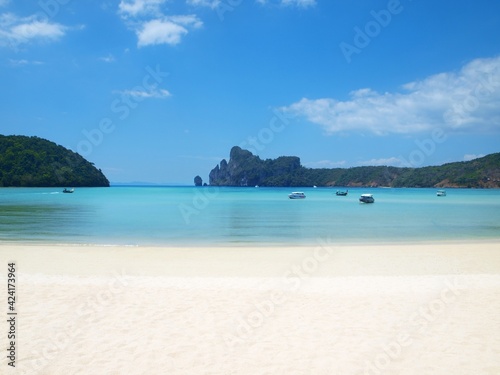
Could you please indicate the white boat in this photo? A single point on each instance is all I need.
(297, 195)
(441, 193)
(367, 198)
(66, 190)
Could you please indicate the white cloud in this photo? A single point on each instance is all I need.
(189, 20)
(38, 29)
(204, 3)
(135, 8)
(160, 32)
(168, 30)
(16, 30)
(297, 3)
(465, 101)
(19, 62)
(24, 62)
(152, 27)
(108, 59)
(393, 161)
(325, 164)
(468, 157)
(390, 161)
(143, 94)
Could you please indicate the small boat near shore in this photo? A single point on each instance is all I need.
(342, 193)
(367, 198)
(69, 191)
(441, 193)
(297, 195)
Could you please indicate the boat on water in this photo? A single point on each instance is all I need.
(68, 190)
(441, 193)
(297, 195)
(341, 193)
(367, 198)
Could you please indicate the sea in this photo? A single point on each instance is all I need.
(254, 216)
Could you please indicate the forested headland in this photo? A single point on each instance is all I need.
(246, 169)
(36, 162)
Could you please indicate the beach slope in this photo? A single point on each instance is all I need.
(322, 309)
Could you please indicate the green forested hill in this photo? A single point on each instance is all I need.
(246, 169)
(36, 162)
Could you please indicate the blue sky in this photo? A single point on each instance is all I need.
(160, 90)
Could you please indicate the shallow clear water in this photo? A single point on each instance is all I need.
(215, 216)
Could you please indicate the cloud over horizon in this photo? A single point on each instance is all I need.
(461, 101)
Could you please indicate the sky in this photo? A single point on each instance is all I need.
(159, 91)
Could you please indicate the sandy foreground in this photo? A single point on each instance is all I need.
(324, 309)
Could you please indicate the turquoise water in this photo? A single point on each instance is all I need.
(225, 216)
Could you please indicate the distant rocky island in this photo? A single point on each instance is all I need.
(36, 162)
(246, 169)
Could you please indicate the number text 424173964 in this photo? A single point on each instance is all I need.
(11, 313)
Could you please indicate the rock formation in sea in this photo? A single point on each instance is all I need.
(246, 169)
(198, 181)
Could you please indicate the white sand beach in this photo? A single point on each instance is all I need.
(324, 309)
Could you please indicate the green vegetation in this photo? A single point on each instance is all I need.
(36, 162)
(246, 169)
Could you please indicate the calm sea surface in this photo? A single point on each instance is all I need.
(226, 216)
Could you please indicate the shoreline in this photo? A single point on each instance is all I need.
(248, 244)
(334, 259)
